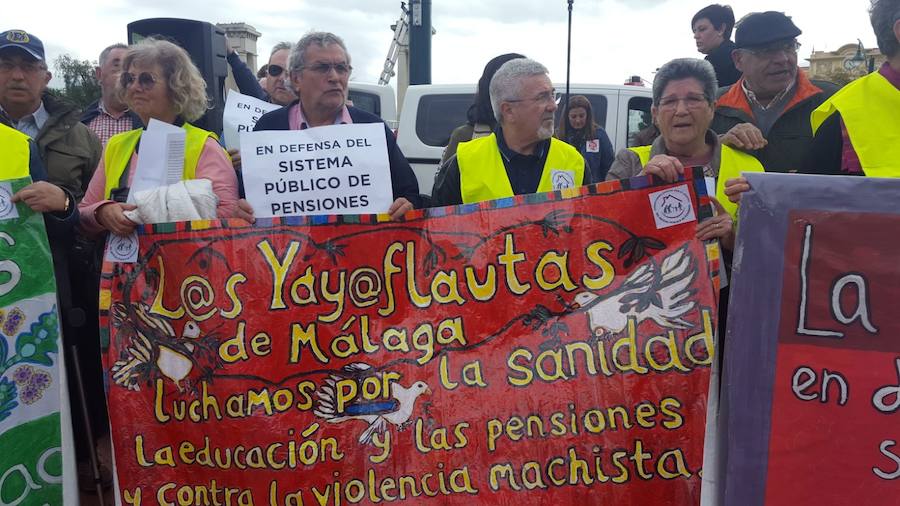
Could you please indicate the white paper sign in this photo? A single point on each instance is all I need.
(240, 115)
(161, 163)
(672, 207)
(8, 209)
(161, 160)
(335, 169)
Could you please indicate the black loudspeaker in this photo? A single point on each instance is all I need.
(206, 45)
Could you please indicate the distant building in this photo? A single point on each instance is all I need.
(242, 37)
(827, 64)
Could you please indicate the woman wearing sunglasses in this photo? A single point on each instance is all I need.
(158, 81)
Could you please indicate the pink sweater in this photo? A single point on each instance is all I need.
(213, 165)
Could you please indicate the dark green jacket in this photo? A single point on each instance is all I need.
(790, 139)
(70, 150)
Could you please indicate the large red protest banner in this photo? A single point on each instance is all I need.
(553, 349)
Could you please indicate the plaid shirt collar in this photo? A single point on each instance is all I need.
(102, 108)
(780, 97)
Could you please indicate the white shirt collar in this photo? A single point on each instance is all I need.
(32, 123)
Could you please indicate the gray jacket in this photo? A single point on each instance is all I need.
(627, 163)
(69, 149)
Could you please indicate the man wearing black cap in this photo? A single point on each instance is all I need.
(70, 151)
(767, 112)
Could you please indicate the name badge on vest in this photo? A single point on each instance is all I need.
(562, 179)
(592, 146)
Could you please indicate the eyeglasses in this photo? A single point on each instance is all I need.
(545, 98)
(691, 102)
(274, 70)
(145, 80)
(789, 47)
(7, 66)
(342, 69)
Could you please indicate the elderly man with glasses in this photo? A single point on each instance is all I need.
(69, 150)
(767, 112)
(319, 68)
(521, 156)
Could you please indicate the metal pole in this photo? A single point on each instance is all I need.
(568, 65)
(420, 42)
(92, 451)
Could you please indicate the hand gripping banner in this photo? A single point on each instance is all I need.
(548, 349)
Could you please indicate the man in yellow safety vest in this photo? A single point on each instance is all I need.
(521, 156)
(857, 130)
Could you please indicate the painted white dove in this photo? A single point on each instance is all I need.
(173, 364)
(146, 347)
(659, 293)
(396, 410)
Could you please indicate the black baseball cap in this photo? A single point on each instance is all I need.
(24, 41)
(761, 28)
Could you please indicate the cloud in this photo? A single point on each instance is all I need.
(611, 39)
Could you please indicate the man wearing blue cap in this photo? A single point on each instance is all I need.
(70, 151)
(767, 112)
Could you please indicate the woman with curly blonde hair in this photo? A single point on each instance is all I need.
(158, 81)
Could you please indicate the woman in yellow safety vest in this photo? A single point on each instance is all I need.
(683, 107)
(158, 81)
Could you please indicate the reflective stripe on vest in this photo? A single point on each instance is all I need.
(14, 154)
(121, 146)
(869, 108)
(482, 175)
(731, 164)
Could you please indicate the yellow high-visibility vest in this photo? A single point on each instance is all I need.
(14, 154)
(869, 107)
(121, 146)
(732, 163)
(482, 175)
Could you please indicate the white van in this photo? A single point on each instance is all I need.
(378, 99)
(431, 112)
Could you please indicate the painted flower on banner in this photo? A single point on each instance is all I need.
(32, 381)
(34, 346)
(13, 321)
(23, 374)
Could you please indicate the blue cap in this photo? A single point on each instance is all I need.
(24, 41)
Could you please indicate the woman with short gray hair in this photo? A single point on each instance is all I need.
(684, 94)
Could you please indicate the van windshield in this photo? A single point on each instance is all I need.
(438, 115)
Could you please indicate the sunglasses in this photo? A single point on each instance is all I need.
(145, 80)
(274, 70)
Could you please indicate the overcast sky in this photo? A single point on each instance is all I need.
(611, 39)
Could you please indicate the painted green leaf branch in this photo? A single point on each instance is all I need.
(36, 345)
(7, 398)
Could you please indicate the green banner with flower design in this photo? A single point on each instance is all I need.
(31, 389)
